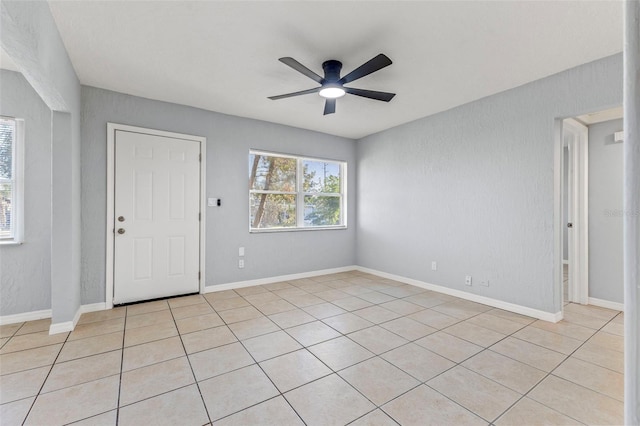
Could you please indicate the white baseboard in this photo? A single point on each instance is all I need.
(606, 304)
(271, 280)
(26, 316)
(64, 327)
(92, 307)
(59, 327)
(512, 307)
(519, 309)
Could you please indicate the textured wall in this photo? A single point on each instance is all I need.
(25, 270)
(29, 35)
(228, 142)
(605, 212)
(473, 188)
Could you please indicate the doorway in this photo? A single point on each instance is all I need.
(155, 227)
(590, 228)
(575, 211)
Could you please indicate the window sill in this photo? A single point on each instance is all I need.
(315, 228)
(10, 243)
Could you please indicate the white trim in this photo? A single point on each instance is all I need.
(271, 280)
(512, 307)
(606, 304)
(101, 306)
(67, 326)
(578, 211)
(203, 212)
(20, 148)
(523, 310)
(558, 216)
(300, 194)
(46, 313)
(111, 141)
(17, 179)
(111, 132)
(565, 262)
(25, 316)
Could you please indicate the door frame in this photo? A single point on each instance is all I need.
(578, 205)
(110, 225)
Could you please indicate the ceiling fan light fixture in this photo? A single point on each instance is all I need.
(332, 92)
(332, 85)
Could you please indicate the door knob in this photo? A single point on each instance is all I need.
(121, 231)
(569, 225)
(120, 218)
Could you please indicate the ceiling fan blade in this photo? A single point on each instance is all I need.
(301, 69)
(367, 68)
(330, 106)
(371, 94)
(289, 95)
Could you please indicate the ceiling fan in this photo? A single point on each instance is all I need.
(332, 86)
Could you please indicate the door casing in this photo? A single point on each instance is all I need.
(110, 225)
(578, 205)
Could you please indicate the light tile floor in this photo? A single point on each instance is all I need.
(347, 348)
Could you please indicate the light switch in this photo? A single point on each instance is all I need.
(241, 251)
(211, 202)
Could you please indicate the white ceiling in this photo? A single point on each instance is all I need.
(223, 55)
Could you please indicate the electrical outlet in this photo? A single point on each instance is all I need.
(434, 265)
(240, 263)
(241, 251)
(467, 280)
(485, 282)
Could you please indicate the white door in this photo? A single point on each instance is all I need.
(575, 137)
(156, 216)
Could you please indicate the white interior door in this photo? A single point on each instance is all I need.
(156, 216)
(575, 137)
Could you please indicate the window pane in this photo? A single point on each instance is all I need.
(7, 132)
(6, 196)
(321, 211)
(267, 173)
(321, 176)
(273, 210)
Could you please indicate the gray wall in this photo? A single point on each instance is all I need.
(473, 188)
(29, 35)
(605, 212)
(25, 270)
(229, 139)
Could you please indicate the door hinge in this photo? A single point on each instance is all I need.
(199, 157)
(198, 274)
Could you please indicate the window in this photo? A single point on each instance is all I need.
(10, 182)
(288, 192)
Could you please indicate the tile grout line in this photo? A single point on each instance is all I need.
(206, 409)
(45, 380)
(330, 369)
(396, 298)
(261, 369)
(124, 333)
(551, 373)
(374, 355)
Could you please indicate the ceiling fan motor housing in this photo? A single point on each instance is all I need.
(332, 86)
(332, 70)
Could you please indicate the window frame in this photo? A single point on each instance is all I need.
(300, 194)
(17, 180)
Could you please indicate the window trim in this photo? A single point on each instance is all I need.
(17, 201)
(300, 194)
